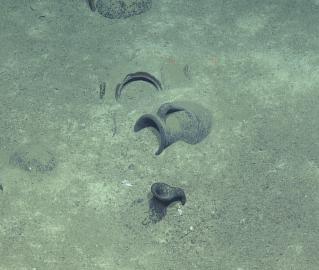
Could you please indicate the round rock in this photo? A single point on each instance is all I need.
(120, 9)
(32, 157)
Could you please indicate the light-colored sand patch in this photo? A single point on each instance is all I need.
(252, 23)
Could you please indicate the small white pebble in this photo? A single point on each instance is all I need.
(125, 182)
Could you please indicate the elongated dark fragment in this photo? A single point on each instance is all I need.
(102, 90)
(92, 4)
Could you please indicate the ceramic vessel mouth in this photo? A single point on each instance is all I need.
(149, 120)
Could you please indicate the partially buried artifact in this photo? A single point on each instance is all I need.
(137, 76)
(186, 121)
(163, 196)
(120, 9)
(168, 194)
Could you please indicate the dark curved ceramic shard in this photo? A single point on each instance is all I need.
(137, 76)
(185, 121)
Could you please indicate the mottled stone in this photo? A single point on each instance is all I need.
(33, 158)
(120, 9)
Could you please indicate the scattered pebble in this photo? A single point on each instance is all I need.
(125, 182)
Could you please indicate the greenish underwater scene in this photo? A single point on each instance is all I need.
(159, 135)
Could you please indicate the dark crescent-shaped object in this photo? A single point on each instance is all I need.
(168, 194)
(137, 76)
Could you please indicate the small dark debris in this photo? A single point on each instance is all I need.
(102, 90)
(137, 201)
(131, 166)
(187, 72)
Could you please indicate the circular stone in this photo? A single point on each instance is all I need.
(33, 158)
(120, 9)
